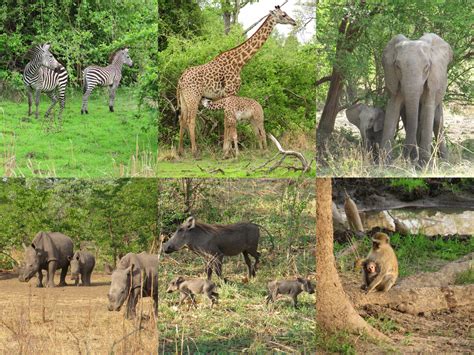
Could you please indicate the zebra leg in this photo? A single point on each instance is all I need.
(29, 93)
(112, 91)
(85, 99)
(54, 99)
(62, 102)
(37, 101)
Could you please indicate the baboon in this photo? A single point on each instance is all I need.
(385, 259)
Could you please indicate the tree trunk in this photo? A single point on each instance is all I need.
(334, 312)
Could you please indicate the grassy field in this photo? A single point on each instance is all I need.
(240, 321)
(101, 144)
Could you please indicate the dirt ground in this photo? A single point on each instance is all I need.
(458, 124)
(449, 331)
(69, 320)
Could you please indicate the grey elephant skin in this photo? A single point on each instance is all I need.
(416, 79)
(82, 264)
(48, 251)
(189, 288)
(216, 241)
(369, 121)
(291, 288)
(136, 276)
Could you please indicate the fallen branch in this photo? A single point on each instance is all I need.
(211, 171)
(305, 167)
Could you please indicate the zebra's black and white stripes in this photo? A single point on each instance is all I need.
(105, 76)
(44, 73)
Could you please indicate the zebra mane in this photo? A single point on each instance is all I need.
(33, 50)
(112, 56)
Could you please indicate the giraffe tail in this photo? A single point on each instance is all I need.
(177, 112)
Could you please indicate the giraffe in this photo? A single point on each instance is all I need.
(220, 77)
(238, 108)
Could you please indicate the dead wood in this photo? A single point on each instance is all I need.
(212, 171)
(283, 154)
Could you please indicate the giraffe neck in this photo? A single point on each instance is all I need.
(242, 54)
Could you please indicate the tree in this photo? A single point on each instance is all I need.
(334, 312)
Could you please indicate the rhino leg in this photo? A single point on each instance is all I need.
(40, 279)
(132, 304)
(50, 276)
(62, 279)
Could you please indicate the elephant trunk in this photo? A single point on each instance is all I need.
(412, 114)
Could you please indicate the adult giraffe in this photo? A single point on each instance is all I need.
(220, 77)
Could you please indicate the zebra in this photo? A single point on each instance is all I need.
(105, 76)
(44, 73)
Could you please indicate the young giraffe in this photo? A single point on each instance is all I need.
(238, 108)
(220, 77)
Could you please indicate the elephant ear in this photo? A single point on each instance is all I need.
(441, 55)
(353, 114)
(379, 120)
(388, 59)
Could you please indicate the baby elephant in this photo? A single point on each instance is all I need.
(291, 288)
(189, 288)
(82, 263)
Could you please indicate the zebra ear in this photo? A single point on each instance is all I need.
(126, 49)
(46, 46)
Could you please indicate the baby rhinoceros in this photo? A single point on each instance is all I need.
(291, 288)
(189, 288)
(82, 263)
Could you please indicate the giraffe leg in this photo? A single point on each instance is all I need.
(191, 123)
(182, 127)
(234, 138)
(227, 134)
(259, 131)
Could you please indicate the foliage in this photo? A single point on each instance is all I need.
(377, 23)
(409, 184)
(278, 77)
(466, 277)
(118, 216)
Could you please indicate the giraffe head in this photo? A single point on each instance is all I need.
(281, 17)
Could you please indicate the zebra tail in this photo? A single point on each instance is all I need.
(84, 86)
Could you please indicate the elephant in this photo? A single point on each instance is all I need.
(48, 251)
(369, 121)
(416, 80)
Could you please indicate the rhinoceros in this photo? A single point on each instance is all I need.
(48, 251)
(217, 241)
(135, 273)
(82, 263)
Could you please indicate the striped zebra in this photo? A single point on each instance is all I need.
(105, 76)
(44, 73)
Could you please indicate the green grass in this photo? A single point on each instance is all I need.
(466, 277)
(212, 164)
(240, 321)
(100, 144)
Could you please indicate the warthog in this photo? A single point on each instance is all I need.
(191, 287)
(82, 263)
(216, 241)
(136, 275)
(291, 288)
(48, 251)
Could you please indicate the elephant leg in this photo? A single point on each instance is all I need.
(426, 127)
(62, 280)
(52, 265)
(439, 132)
(40, 278)
(392, 117)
